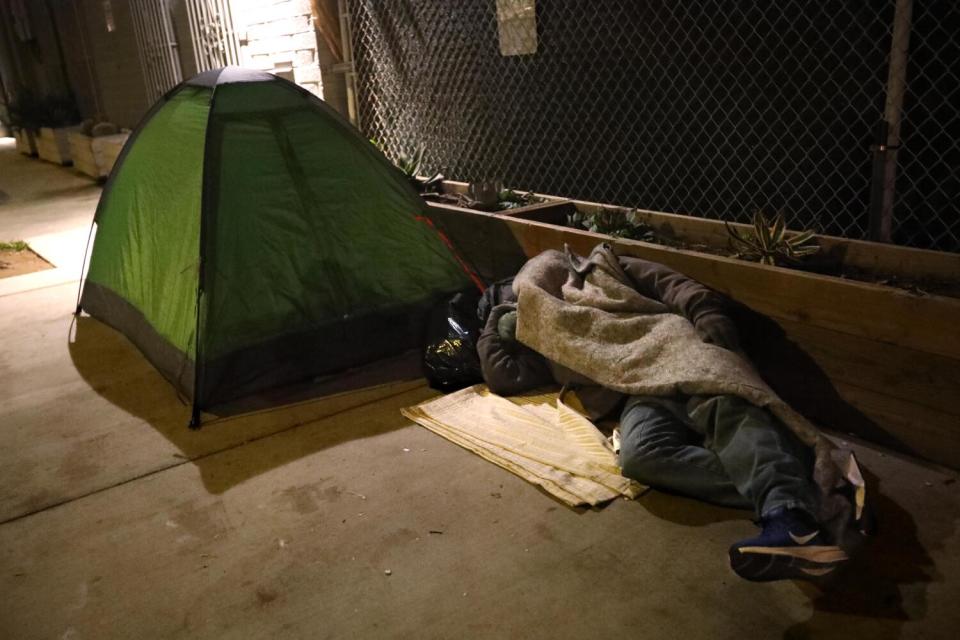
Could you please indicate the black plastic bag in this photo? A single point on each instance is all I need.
(450, 361)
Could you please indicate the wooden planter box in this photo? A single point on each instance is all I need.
(108, 149)
(95, 156)
(550, 210)
(26, 141)
(868, 359)
(53, 146)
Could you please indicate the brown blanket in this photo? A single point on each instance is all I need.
(585, 315)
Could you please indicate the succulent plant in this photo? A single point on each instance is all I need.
(412, 166)
(772, 243)
(614, 222)
(486, 195)
(509, 199)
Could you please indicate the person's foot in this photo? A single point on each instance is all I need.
(790, 547)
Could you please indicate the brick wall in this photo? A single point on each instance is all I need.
(279, 36)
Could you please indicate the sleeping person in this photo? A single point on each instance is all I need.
(641, 342)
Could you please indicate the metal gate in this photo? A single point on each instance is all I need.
(214, 38)
(158, 46)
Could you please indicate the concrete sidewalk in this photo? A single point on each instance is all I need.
(50, 208)
(116, 521)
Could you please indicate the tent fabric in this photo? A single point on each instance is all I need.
(157, 188)
(251, 238)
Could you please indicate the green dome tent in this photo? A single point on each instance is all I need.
(248, 237)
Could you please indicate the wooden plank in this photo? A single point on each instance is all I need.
(53, 146)
(489, 247)
(551, 212)
(875, 312)
(81, 151)
(872, 257)
(912, 376)
(896, 397)
(106, 150)
(26, 142)
(329, 28)
(927, 433)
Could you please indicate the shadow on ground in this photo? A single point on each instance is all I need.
(114, 368)
(688, 512)
(882, 588)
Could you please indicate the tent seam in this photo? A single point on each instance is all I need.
(201, 267)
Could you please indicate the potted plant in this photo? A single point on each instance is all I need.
(59, 116)
(5, 128)
(25, 113)
(94, 147)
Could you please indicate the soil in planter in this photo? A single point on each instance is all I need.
(509, 200)
(916, 286)
(16, 259)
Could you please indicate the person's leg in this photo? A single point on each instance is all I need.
(766, 462)
(769, 465)
(658, 449)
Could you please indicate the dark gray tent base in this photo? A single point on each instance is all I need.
(106, 306)
(296, 359)
(346, 344)
(407, 366)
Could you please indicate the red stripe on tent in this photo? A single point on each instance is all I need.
(463, 265)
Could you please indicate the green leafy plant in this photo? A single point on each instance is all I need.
(770, 242)
(29, 110)
(509, 199)
(412, 167)
(614, 222)
(26, 109)
(60, 110)
(16, 245)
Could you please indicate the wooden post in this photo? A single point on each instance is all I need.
(883, 189)
(329, 28)
(350, 74)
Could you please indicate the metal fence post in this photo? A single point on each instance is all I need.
(883, 188)
(347, 66)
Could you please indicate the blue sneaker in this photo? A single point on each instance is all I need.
(790, 547)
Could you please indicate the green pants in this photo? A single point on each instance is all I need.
(720, 449)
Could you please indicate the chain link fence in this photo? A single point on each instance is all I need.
(926, 210)
(710, 108)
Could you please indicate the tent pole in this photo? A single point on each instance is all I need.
(201, 265)
(83, 265)
(195, 417)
